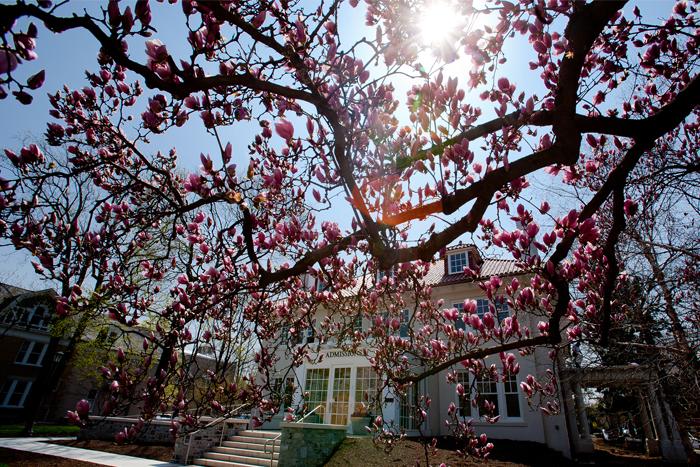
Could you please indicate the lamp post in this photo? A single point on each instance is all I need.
(57, 359)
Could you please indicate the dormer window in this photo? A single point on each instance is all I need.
(457, 262)
(40, 317)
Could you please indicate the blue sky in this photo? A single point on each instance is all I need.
(66, 56)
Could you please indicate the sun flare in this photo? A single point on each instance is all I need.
(438, 23)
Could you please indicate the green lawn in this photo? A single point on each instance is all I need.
(40, 430)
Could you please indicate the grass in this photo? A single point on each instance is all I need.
(13, 431)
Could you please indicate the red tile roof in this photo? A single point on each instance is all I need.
(491, 267)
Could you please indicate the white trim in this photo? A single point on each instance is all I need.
(45, 324)
(352, 400)
(502, 405)
(11, 391)
(15, 313)
(26, 393)
(450, 270)
(28, 352)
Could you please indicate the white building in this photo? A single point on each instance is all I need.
(339, 380)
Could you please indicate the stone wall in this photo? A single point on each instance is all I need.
(189, 447)
(309, 444)
(104, 428)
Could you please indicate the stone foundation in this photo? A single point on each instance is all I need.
(104, 428)
(309, 444)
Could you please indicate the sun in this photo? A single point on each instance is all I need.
(438, 23)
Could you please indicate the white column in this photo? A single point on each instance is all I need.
(581, 412)
(585, 443)
(677, 451)
(353, 386)
(658, 417)
(671, 449)
(651, 443)
(570, 413)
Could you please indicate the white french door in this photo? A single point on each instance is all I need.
(339, 397)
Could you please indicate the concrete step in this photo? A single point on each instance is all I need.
(239, 459)
(253, 440)
(251, 446)
(246, 452)
(259, 433)
(218, 463)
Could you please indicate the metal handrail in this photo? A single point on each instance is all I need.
(272, 452)
(319, 406)
(210, 424)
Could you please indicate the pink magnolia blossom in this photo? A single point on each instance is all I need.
(82, 408)
(8, 61)
(285, 129)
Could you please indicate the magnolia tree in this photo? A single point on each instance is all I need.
(607, 90)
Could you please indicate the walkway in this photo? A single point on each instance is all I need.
(40, 446)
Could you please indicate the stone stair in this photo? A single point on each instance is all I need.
(246, 449)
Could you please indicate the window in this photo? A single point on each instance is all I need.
(500, 305)
(510, 390)
(504, 396)
(357, 323)
(39, 318)
(463, 403)
(487, 390)
(310, 335)
(14, 392)
(31, 353)
(283, 390)
(384, 273)
(286, 335)
(321, 285)
(17, 316)
(340, 397)
(407, 419)
(366, 388)
(403, 318)
(316, 386)
(407, 408)
(457, 262)
(482, 306)
(459, 324)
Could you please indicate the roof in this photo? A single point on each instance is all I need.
(460, 246)
(7, 291)
(10, 294)
(491, 267)
(437, 277)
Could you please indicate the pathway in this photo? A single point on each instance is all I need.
(40, 446)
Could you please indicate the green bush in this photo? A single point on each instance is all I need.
(39, 430)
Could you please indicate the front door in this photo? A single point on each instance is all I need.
(339, 397)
